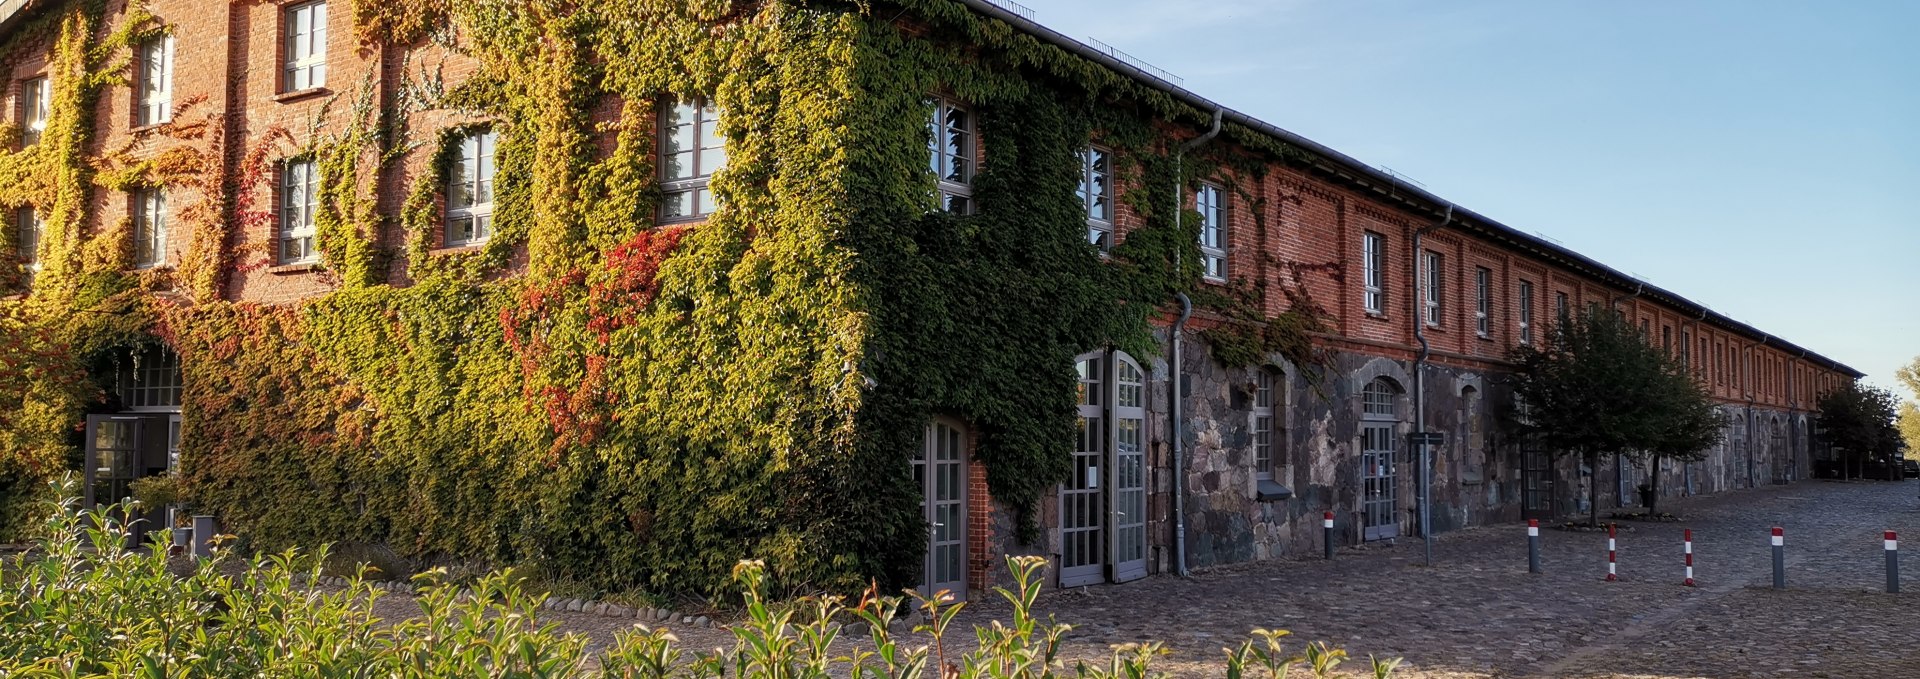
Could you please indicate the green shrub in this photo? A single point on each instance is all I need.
(83, 607)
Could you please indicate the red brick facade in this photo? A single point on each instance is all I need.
(230, 56)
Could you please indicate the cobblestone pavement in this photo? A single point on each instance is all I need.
(1478, 613)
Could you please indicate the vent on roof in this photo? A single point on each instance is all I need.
(1134, 61)
(1024, 11)
(1550, 239)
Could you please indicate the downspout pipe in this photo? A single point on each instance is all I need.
(1176, 434)
(1686, 469)
(1420, 384)
(1619, 464)
(1746, 389)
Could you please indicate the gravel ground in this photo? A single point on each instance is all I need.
(1478, 613)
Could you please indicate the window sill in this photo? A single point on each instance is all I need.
(294, 268)
(461, 248)
(1484, 337)
(1377, 315)
(148, 128)
(1213, 281)
(297, 95)
(1268, 490)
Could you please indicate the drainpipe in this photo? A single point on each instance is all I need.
(1420, 385)
(1746, 387)
(1793, 406)
(1686, 469)
(1619, 465)
(1174, 415)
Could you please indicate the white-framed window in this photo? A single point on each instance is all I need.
(691, 150)
(29, 228)
(306, 35)
(1435, 296)
(36, 106)
(1483, 301)
(1373, 259)
(470, 190)
(1211, 201)
(1526, 312)
(1562, 311)
(1096, 194)
(950, 154)
(149, 227)
(1377, 399)
(299, 200)
(1269, 396)
(156, 81)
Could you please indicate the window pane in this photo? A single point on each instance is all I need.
(677, 204)
(461, 229)
(679, 165)
(1100, 238)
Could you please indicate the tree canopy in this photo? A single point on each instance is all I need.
(1858, 420)
(1598, 387)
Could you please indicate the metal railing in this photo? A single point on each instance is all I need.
(1133, 61)
(1024, 11)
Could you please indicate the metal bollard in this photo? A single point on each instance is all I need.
(1893, 563)
(1533, 546)
(1326, 527)
(1688, 537)
(1612, 554)
(1779, 558)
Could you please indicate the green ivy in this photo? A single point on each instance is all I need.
(646, 405)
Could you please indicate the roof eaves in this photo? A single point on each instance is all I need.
(1346, 163)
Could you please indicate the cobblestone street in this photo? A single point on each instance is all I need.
(1478, 613)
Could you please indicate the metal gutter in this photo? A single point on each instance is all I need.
(11, 10)
(1340, 163)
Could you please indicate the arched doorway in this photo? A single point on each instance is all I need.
(940, 468)
(1379, 443)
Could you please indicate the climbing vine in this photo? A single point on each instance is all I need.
(624, 403)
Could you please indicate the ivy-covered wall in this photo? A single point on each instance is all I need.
(623, 403)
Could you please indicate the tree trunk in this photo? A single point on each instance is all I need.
(1593, 490)
(1653, 498)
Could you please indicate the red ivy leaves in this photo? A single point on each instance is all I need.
(578, 406)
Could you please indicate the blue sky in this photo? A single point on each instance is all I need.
(1758, 156)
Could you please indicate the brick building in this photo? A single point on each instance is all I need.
(1264, 449)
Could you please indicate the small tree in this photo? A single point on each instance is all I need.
(1859, 420)
(1598, 388)
(1691, 426)
(1909, 376)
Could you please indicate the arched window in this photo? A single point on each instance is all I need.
(1377, 399)
(1473, 437)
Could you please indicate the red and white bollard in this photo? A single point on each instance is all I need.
(1533, 546)
(1326, 533)
(1612, 554)
(1893, 563)
(1779, 558)
(1688, 537)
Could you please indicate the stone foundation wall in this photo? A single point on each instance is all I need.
(1477, 472)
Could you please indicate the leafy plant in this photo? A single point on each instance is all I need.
(82, 607)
